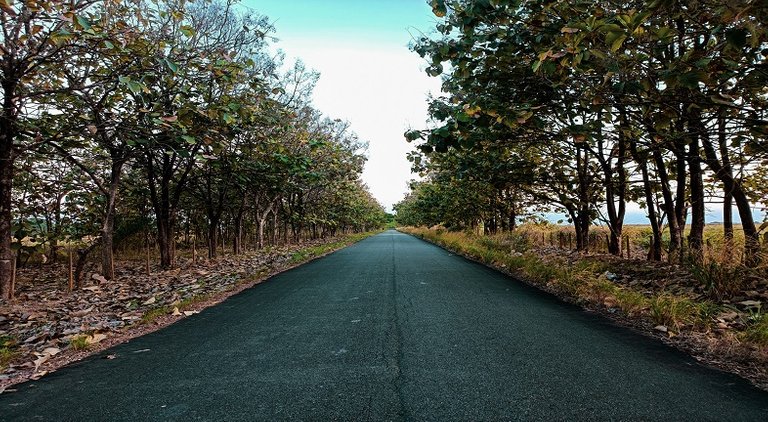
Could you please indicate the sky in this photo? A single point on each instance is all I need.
(368, 76)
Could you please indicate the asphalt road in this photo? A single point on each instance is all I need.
(391, 328)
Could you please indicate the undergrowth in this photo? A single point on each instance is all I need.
(757, 329)
(79, 342)
(8, 350)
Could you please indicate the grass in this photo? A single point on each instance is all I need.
(155, 313)
(8, 350)
(672, 312)
(79, 342)
(757, 329)
(721, 281)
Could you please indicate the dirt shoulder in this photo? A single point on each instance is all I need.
(47, 327)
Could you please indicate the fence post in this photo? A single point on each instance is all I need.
(71, 272)
(629, 253)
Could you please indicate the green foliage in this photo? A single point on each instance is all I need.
(552, 106)
(8, 350)
(720, 281)
(149, 115)
(672, 312)
(151, 315)
(757, 329)
(79, 342)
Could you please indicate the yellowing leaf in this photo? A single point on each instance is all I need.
(5, 5)
(96, 338)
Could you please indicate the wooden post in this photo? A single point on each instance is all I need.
(626, 247)
(71, 271)
(13, 274)
(194, 251)
(148, 269)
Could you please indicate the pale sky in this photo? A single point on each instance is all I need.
(369, 77)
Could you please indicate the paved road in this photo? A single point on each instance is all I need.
(392, 328)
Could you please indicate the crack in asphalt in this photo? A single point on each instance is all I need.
(395, 336)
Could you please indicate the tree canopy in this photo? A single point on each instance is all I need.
(585, 106)
(119, 116)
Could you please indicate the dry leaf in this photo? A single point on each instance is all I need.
(95, 338)
(51, 351)
(98, 277)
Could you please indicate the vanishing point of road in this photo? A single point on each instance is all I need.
(391, 328)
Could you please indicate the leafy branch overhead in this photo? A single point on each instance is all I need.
(586, 107)
(134, 121)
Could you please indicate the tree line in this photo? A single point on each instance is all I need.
(121, 115)
(585, 106)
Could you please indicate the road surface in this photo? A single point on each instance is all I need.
(392, 328)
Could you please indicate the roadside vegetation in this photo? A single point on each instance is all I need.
(583, 109)
(158, 130)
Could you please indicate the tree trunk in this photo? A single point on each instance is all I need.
(675, 234)
(725, 175)
(237, 241)
(696, 236)
(164, 239)
(260, 239)
(654, 253)
(108, 226)
(727, 169)
(7, 158)
(582, 215)
(275, 228)
(213, 237)
(6, 187)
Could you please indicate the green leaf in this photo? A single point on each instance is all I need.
(702, 63)
(615, 40)
(412, 135)
(439, 8)
(188, 31)
(171, 65)
(83, 22)
(463, 117)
